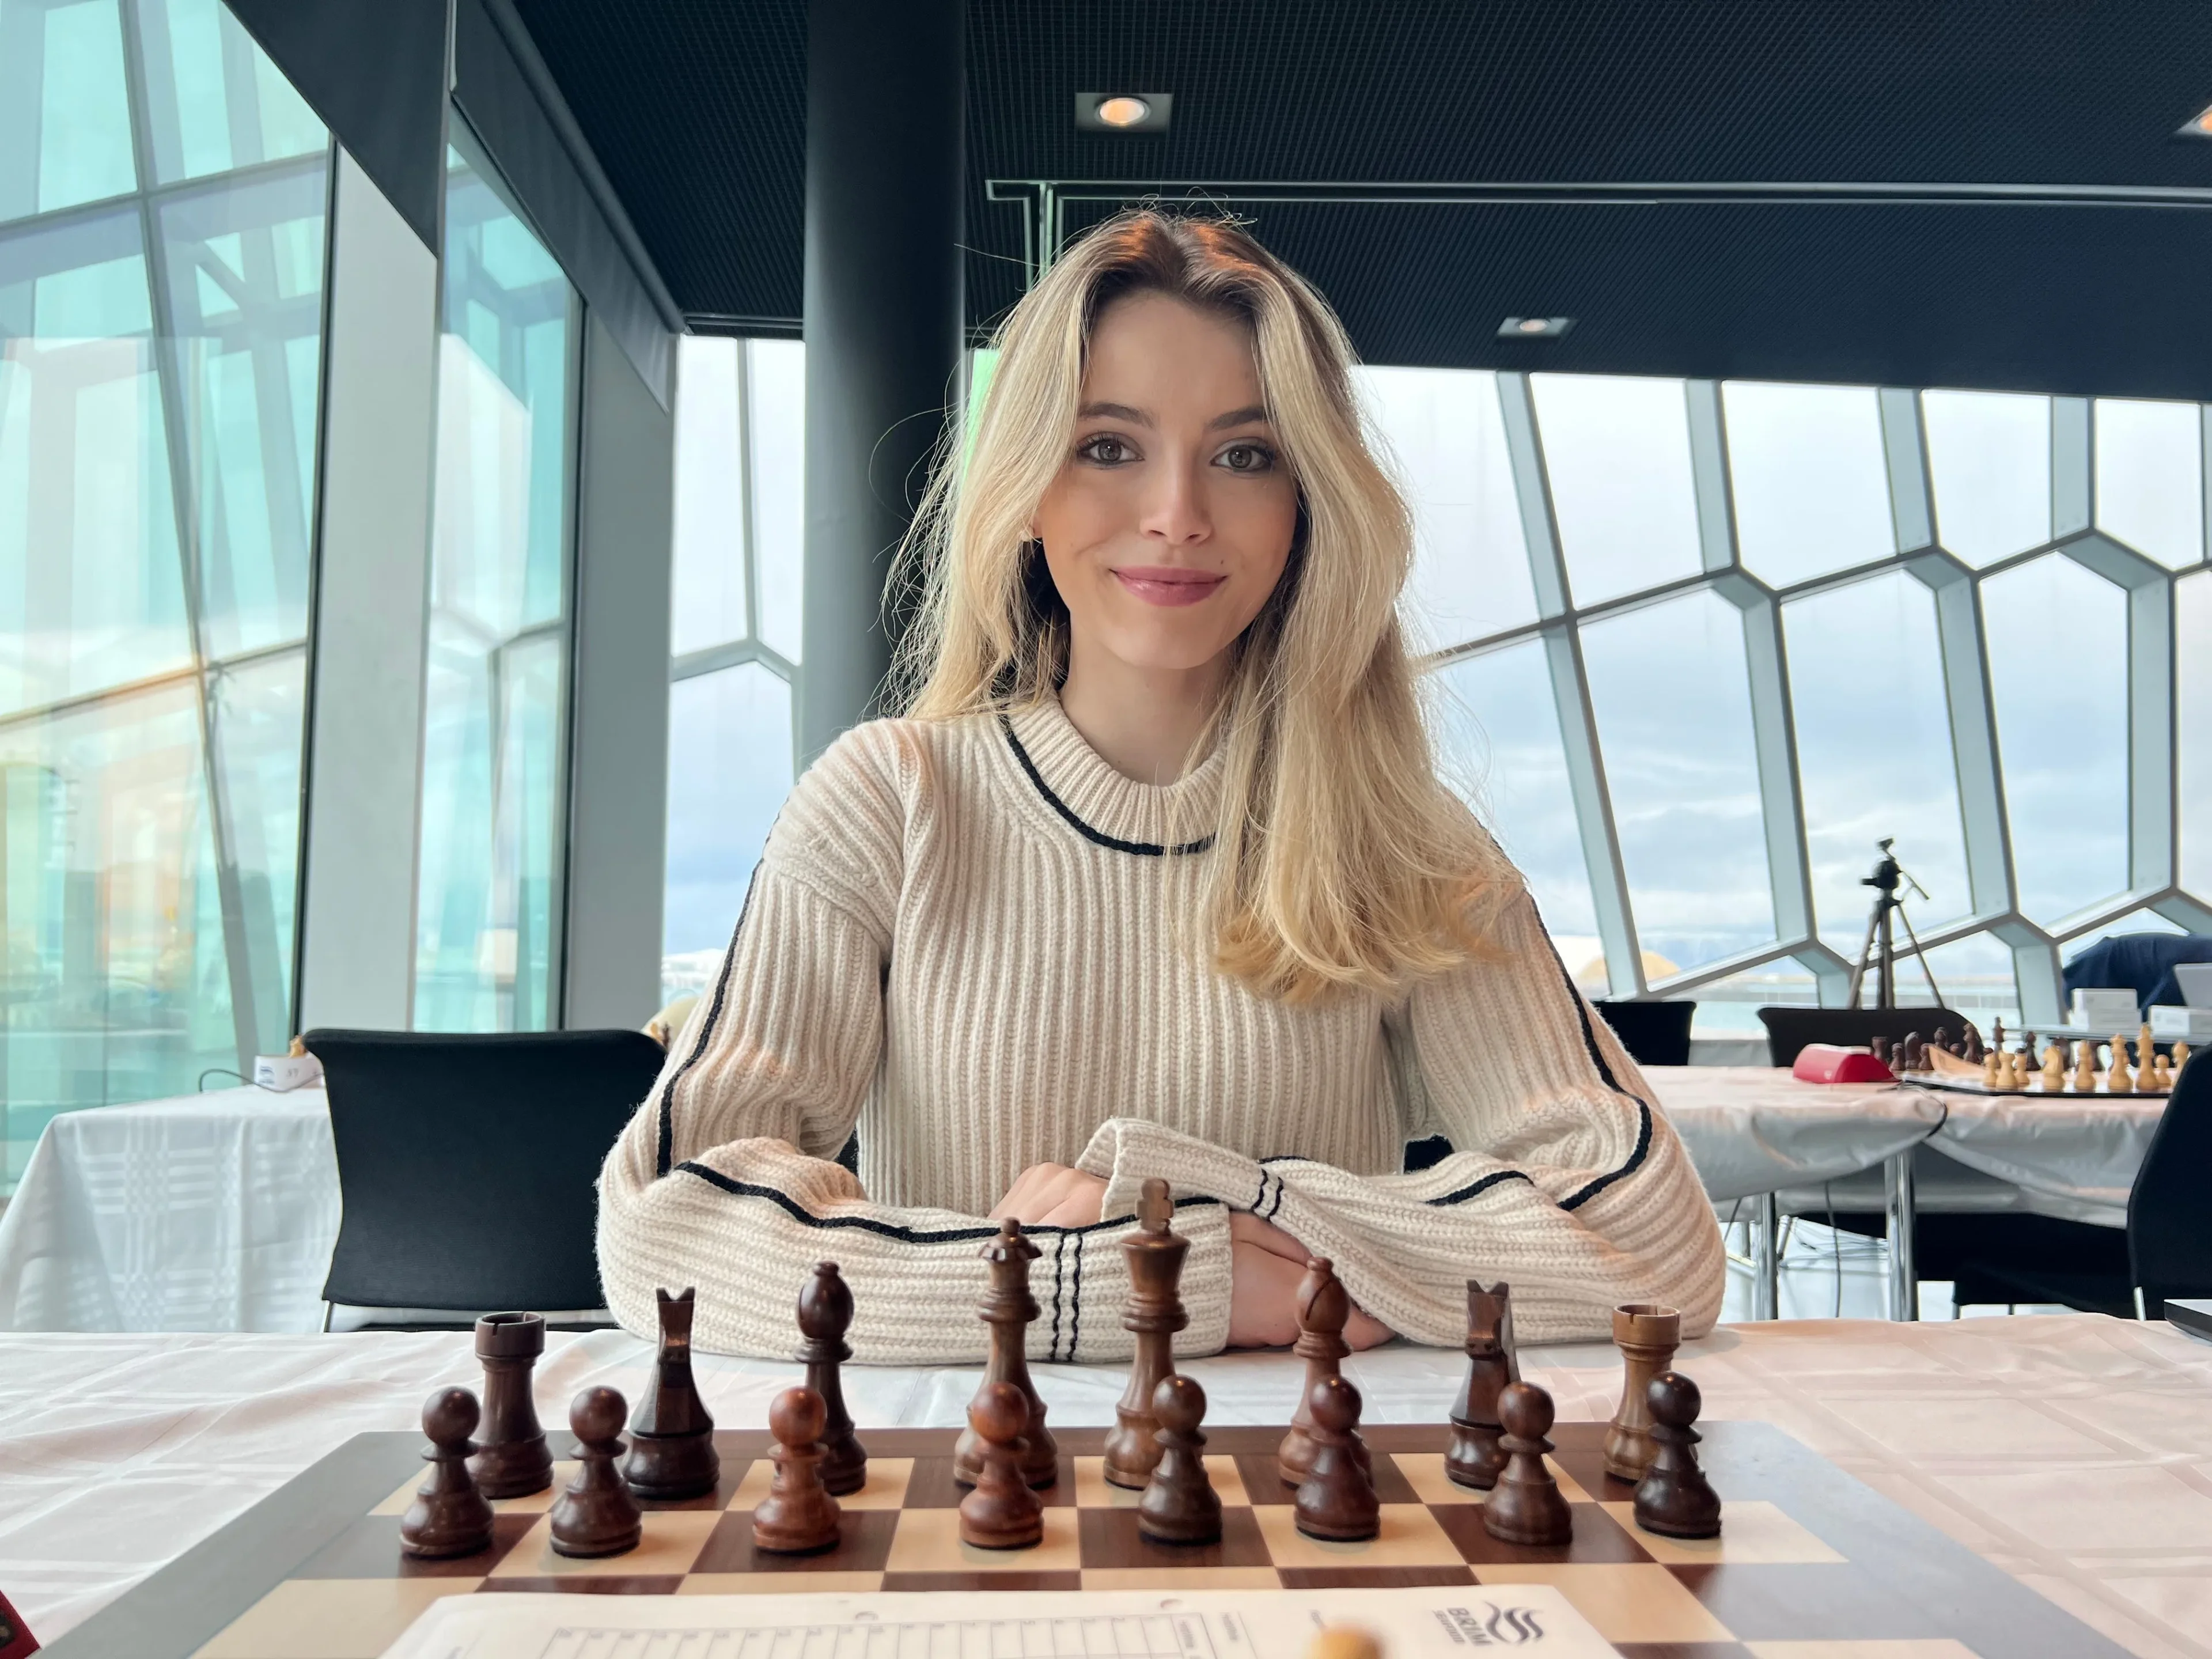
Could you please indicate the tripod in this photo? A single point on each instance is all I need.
(1880, 951)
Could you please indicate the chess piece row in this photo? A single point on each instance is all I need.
(451, 1514)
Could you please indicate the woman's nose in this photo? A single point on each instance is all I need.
(1175, 506)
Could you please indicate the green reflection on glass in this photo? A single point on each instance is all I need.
(217, 102)
(64, 109)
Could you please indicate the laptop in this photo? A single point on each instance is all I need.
(2195, 979)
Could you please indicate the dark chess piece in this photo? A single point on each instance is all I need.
(1179, 1505)
(1526, 1506)
(1008, 1310)
(798, 1517)
(1943, 1039)
(1155, 1314)
(1473, 1457)
(1337, 1500)
(1323, 1306)
(1915, 1058)
(595, 1516)
(825, 1314)
(449, 1516)
(1647, 1335)
(513, 1459)
(1675, 1499)
(1001, 1512)
(1880, 1047)
(672, 1439)
(1973, 1053)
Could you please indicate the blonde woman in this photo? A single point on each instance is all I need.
(1154, 878)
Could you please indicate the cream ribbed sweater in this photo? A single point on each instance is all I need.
(964, 940)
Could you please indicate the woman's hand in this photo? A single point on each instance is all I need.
(1052, 1195)
(1266, 1264)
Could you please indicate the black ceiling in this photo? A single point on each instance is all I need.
(695, 108)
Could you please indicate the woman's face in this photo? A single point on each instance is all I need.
(1171, 519)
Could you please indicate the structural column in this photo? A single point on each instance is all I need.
(885, 179)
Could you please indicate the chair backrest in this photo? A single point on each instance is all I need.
(466, 1163)
(1789, 1030)
(1654, 1033)
(2169, 1222)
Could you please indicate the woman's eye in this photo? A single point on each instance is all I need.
(1105, 449)
(1248, 458)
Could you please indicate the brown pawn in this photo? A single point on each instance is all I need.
(825, 1314)
(1527, 1507)
(1155, 1314)
(512, 1460)
(1675, 1498)
(1473, 1458)
(1323, 1307)
(797, 1516)
(595, 1516)
(1179, 1505)
(1008, 1310)
(1002, 1513)
(672, 1439)
(1337, 1500)
(449, 1515)
(1647, 1335)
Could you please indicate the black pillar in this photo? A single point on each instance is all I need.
(886, 90)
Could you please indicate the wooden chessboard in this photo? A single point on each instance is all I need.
(1806, 1553)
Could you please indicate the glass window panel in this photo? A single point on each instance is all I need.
(255, 717)
(1809, 477)
(2192, 626)
(216, 100)
(1673, 699)
(91, 594)
(1874, 751)
(2136, 921)
(1499, 744)
(708, 590)
(493, 729)
(2150, 477)
(1617, 453)
(2062, 738)
(1975, 975)
(115, 983)
(247, 370)
(775, 429)
(729, 745)
(1729, 1008)
(1989, 458)
(1446, 434)
(65, 105)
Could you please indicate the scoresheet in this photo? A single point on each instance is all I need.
(1411, 1624)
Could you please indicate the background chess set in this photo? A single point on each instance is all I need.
(2059, 1068)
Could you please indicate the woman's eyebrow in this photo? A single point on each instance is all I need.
(1243, 416)
(1112, 412)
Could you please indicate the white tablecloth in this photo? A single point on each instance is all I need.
(212, 1212)
(219, 1211)
(2074, 1452)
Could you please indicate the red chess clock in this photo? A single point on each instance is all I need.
(1823, 1062)
(15, 1637)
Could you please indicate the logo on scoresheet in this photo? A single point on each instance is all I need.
(1492, 1626)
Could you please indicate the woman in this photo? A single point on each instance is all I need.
(1154, 878)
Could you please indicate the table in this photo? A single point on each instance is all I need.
(213, 1211)
(2074, 1451)
(218, 1212)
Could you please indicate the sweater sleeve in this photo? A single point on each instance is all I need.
(1567, 1181)
(724, 1179)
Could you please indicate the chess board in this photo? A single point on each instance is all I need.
(1806, 1555)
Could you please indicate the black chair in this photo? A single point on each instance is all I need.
(2169, 1225)
(467, 1164)
(1654, 1033)
(1789, 1030)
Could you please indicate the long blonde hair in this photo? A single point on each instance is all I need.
(1338, 860)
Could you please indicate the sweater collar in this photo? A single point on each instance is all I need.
(1100, 802)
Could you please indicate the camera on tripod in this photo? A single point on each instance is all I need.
(1879, 953)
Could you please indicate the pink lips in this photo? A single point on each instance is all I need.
(1167, 584)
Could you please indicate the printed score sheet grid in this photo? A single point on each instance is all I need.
(1162, 1636)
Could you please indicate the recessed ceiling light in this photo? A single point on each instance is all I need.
(1533, 328)
(2197, 126)
(1123, 111)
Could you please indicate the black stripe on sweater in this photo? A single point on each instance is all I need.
(667, 1148)
(1059, 1251)
(1150, 849)
(1583, 1195)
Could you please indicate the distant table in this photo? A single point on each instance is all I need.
(2069, 1450)
(210, 1212)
